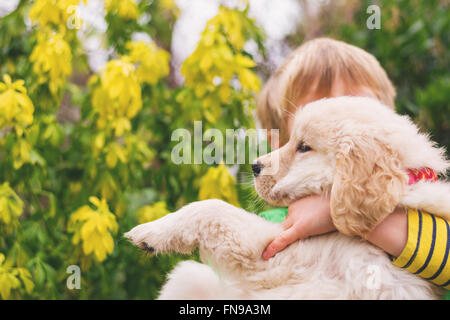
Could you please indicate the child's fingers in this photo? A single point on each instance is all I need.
(286, 224)
(281, 241)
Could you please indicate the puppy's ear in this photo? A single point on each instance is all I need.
(368, 184)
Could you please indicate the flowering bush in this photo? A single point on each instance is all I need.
(85, 155)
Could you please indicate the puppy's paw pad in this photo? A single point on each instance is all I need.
(144, 246)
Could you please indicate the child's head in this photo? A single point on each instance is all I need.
(320, 68)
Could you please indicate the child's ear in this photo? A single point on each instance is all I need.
(368, 184)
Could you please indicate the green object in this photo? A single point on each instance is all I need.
(276, 215)
(447, 295)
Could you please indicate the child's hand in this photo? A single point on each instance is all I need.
(306, 217)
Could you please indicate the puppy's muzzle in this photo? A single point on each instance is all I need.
(257, 167)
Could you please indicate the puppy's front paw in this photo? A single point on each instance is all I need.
(144, 246)
(141, 236)
(171, 233)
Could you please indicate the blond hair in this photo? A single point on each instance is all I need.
(310, 71)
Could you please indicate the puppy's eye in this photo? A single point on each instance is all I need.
(302, 147)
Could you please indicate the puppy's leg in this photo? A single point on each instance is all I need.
(191, 280)
(177, 231)
(227, 236)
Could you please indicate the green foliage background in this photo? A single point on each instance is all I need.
(67, 163)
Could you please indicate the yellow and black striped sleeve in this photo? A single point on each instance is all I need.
(427, 250)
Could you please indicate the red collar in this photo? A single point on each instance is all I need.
(416, 175)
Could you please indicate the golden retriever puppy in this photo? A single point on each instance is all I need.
(357, 150)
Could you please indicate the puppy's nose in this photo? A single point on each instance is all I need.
(257, 167)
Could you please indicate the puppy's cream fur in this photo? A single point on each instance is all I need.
(360, 153)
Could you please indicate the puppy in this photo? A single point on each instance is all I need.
(353, 148)
(362, 154)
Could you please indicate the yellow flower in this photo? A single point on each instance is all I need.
(13, 278)
(152, 62)
(219, 59)
(52, 131)
(153, 212)
(11, 205)
(118, 97)
(170, 6)
(16, 108)
(230, 21)
(126, 9)
(21, 153)
(51, 13)
(93, 228)
(52, 61)
(114, 152)
(218, 183)
(249, 80)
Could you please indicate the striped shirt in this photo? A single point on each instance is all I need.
(428, 248)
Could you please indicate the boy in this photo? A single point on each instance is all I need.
(323, 68)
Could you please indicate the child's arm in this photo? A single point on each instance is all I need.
(391, 234)
(427, 248)
(420, 241)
